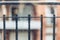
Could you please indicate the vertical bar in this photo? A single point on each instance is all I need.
(4, 27)
(41, 27)
(53, 27)
(28, 27)
(16, 27)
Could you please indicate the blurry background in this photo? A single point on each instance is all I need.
(35, 10)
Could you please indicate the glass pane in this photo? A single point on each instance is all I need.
(11, 0)
(50, 11)
(27, 9)
(22, 10)
(20, 0)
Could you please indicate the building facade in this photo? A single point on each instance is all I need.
(34, 10)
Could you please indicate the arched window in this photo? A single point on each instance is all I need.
(50, 11)
(23, 10)
(27, 9)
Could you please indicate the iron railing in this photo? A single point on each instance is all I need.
(29, 18)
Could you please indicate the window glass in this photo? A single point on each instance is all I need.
(0, 0)
(14, 9)
(51, 0)
(50, 11)
(21, 0)
(22, 11)
(1, 15)
(11, 0)
(27, 9)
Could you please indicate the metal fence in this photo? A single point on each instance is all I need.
(29, 19)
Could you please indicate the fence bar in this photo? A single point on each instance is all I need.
(16, 27)
(41, 27)
(38, 2)
(53, 27)
(4, 27)
(33, 17)
(28, 27)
